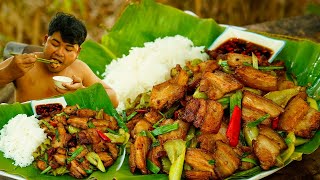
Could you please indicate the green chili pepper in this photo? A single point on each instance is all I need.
(94, 159)
(258, 121)
(224, 102)
(249, 160)
(290, 140)
(254, 61)
(313, 103)
(152, 167)
(246, 174)
(165, 129)
(90, 124)
(250, 133)
(199, 95)
(131, 115)
(72, 129)
(46, 170)
(310, 146)
(299, 141)
(282, 97)
(75, 154)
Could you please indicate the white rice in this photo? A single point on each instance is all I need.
(20, 137)
(147, 66)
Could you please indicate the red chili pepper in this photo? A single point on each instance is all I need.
(103, 136)
(275, 123)
(53, 123)
(234, 127)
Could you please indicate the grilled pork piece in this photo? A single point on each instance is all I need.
(204, 114)
(86, 113)
(180, 133)
(227, 161)
(266, 150)
(165, 94)
(76, 170)
(271, 134)
(79, 122)
(155, 153)
(62, 139)
(217, 84)
(255, 78)
(152, 116)
(199, 159)
(235, 59)
(300, 118)
(254, 105)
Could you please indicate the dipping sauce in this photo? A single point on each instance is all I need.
(46, 109)
(236, 45)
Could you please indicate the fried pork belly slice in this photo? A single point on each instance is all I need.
(61, 119)
(179, 133)
(257, 102)
(227, 161)
(199, 159)
(165, 94)
(113, 149)
(141, 125)
(155, 153)
(204, 114)
(76, 170)
(217, 84)
(86, 113)
(62, 139)
(89, 136)
(204, 66)
(273, 135)
(106, 159)
(198, 175)
(249, 115)
(300, 118)
(208, 141)
(266, 150)
(60, 158)
(152, 116)
(235, 59)
(79, 122)
(70, 110)
(256, 79)
(103, 124)
(138, 154)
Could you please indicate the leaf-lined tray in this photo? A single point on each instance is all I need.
(144, 22)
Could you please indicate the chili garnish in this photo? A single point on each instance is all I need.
(234, 126)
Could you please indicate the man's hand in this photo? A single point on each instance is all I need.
(76, 84)
(22, 63)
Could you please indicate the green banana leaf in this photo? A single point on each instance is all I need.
(145, 21)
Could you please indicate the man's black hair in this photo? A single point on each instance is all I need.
(72, 30)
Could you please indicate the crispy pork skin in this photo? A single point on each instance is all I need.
(255, 78)
(199, 159)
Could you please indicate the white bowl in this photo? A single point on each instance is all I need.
(59, 80)
(230, 32)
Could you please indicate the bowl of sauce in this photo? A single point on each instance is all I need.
(234, 40)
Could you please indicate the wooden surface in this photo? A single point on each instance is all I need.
(306, 27)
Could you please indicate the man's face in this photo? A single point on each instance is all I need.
(63, 52)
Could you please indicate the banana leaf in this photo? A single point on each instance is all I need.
(145, 21)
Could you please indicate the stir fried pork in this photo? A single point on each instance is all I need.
(234, 59)
(165, 94)
(204, 114)
(199, 159)
(254, 106)
(255, 78)
(198, 175)
(208, 141)
(139, 149)
(62, 139)
(152, 116)
(300, 118)
(227, 161)
(271, 134)
(180, 133)
(217, 84)
(79, 122)
(155, 154)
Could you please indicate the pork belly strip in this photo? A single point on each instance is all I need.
(179, 133)
(227, 161)
(235, 59)
(255, 78)
(198, 175)
(249, 115)
(204, 114)
(199, 159)
(254, 101)
(217, 84)
(266, 150)
(300, 118)
(208, 141)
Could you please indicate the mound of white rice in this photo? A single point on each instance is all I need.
(20, 138)
(147, 66)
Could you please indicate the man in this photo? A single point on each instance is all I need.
(33, 79)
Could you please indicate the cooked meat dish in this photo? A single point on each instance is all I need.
(77, 142)
(231, 116)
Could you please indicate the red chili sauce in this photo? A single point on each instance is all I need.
(240, 46)
(46, 109)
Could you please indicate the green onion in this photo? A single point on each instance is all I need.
(199, 95)
(254, 61)
(246, 174)
(143, 133)
(124, 116)
(269, 68)
(224, 101)
(46, 170)
(258, 121)
(157, 123)
(152, 167)
(120, 122)
(195, 62)
(235, 99)
(57, 135)
(131, 115)
(75, 154)
(211, 162)
(91, 125)
(223, 63)
(112, 131)
(249, 160)
(88, 171)
(165, 129)
(49, 126)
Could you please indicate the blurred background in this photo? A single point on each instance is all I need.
(26, 21)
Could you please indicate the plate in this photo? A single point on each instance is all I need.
(234, 32)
